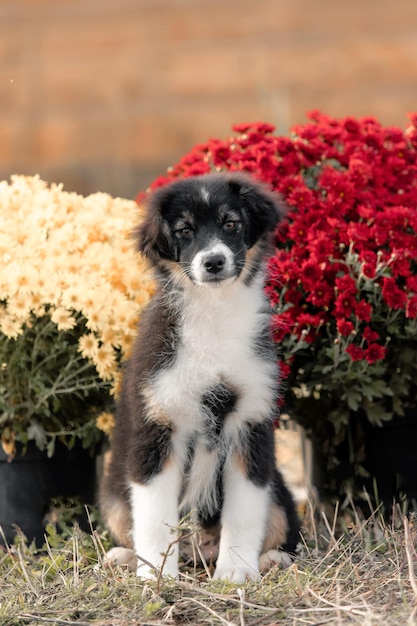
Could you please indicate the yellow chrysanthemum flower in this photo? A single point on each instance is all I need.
(10, 327)
(88, 345)
(63, 319)
(105, 422)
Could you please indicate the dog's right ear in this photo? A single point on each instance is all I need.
(153, 236)
(264, 209)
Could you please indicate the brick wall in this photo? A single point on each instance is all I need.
(104, 95)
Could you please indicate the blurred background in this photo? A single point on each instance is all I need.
(103, 95)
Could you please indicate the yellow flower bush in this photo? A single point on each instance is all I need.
(71, 292)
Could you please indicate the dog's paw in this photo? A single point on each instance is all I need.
(272, 558)
(120, 557)
(236, 573)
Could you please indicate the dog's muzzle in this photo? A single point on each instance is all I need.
(213, 265)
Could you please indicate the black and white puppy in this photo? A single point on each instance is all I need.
(194, 424)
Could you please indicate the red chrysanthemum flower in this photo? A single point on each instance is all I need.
(363, 311)
(369, 270)
(345, 327)
(345, 285)
(411, 283)
(310, 273)
(284, 370)
(220, 153)
(370, 335)
(411, 308)
(395, 297)
(344, 305)
(375, 352)
(356, 353)
(321, 295)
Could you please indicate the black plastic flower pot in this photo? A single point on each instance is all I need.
(31, 480)
(391, 460)
(387, 456)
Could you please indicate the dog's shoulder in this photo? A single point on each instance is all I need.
(157, 335)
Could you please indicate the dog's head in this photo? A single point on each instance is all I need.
(206, 228)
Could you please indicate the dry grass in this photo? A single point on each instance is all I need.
(348, 572)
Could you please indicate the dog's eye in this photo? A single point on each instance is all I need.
(184, 232)
(230, 225)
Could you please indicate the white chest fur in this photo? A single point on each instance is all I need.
(217, 343)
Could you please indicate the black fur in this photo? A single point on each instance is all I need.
(284, 499)
(259, 453)
(217, 404)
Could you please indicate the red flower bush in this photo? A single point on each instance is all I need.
(343, 281)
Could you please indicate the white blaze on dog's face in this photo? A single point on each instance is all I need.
(214, 264)
(202, 228)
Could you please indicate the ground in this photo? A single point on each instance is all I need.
(347, 572)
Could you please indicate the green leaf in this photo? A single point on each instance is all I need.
(376, 389)
(354, 399)
(376, 414)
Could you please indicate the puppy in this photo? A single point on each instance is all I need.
(194, 423)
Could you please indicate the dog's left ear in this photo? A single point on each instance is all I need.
(263, 208)
(152, 237)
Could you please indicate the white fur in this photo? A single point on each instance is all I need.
(202, 481)
(215, 247)
(243, 521)
(155, 515)
(205, 194)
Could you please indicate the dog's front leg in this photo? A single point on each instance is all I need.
(155, 515)
(243, 523)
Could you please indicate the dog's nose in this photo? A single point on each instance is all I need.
(215, 263)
